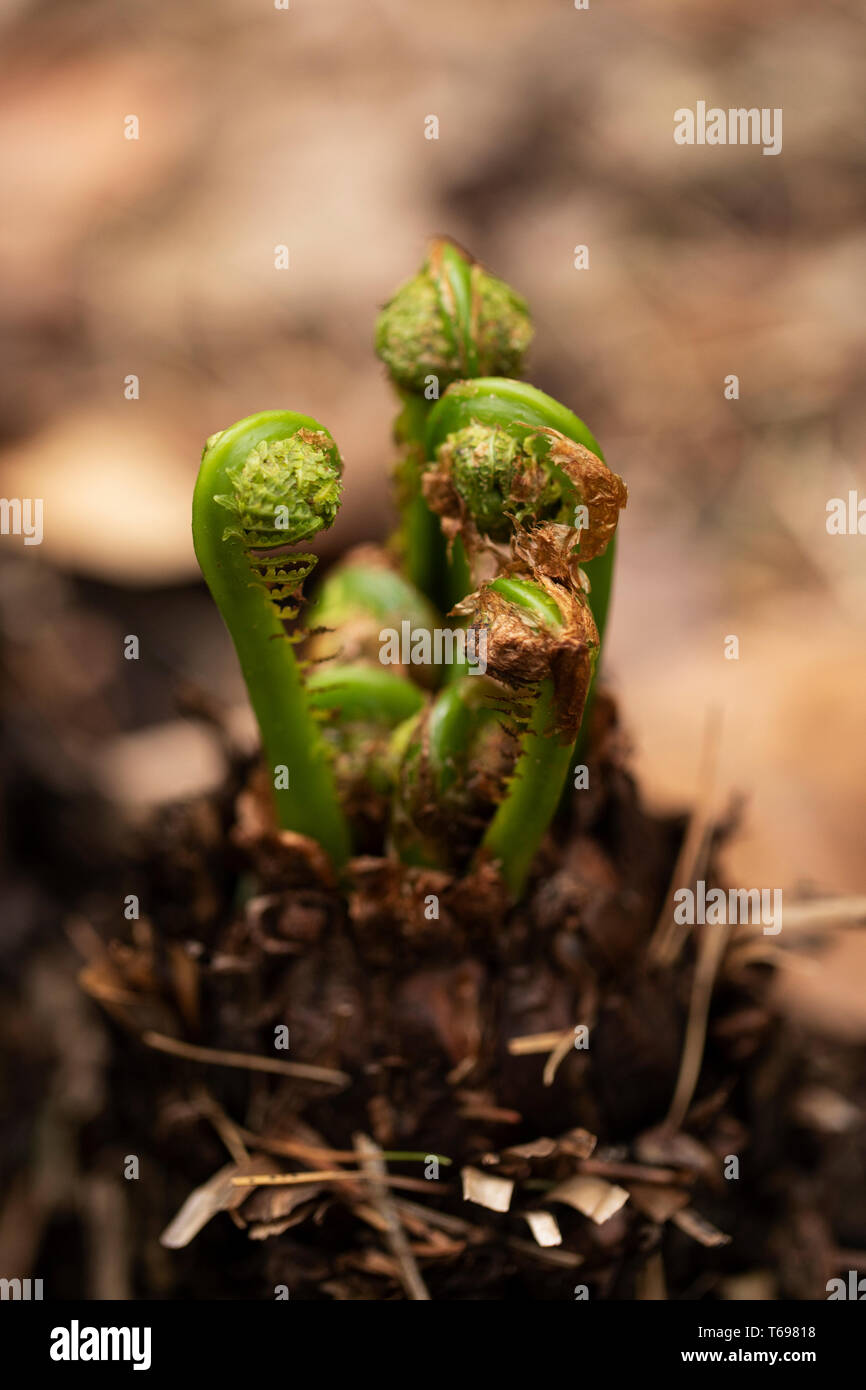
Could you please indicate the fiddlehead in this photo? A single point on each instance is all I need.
(267, 484)
(451, 321)
(509, 465)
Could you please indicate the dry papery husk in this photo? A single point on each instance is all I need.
(428, 1017)
(521, 655)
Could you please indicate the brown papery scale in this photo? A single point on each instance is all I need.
(521, 653)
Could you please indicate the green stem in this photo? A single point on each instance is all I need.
(433, 755)
(361, 599)
(458, 716)
(364, 693)
(522, 817)
(422, 545)
(251, 575)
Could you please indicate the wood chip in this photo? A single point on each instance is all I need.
(664, 1146)
(486, 1190)
(267, 1204)
(580, 1143)
(699, 1228)
(263, 1230)
(536, 1148)
(658, 1203)
(593, 1197)
(544, 1227)
(219, 1193)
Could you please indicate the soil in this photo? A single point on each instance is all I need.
(535, 1050)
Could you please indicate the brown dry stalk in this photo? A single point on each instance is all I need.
(370, 1156)
(634, 1172)
(668, 937)
(327, 1175)
(710, 952)
(529, 1043)
(216, 1057)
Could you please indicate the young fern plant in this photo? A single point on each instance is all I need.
(518, 475)
(451, 321)
(508, 508)
(265, 486)
(487, 760)
(542, 643)
(520, 487)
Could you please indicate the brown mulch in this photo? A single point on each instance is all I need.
(586, 1104)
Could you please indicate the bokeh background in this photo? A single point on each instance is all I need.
(306, 127)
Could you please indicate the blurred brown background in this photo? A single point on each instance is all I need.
(259, 127)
